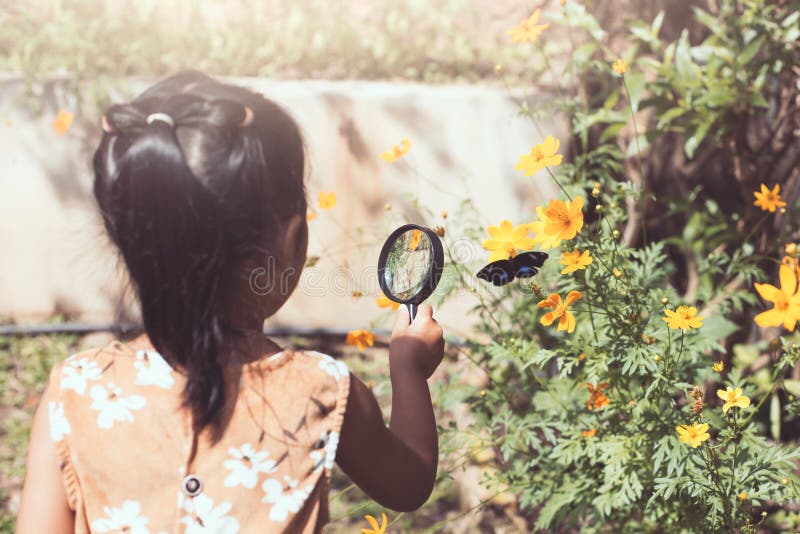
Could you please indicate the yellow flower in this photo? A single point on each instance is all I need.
(683, 317)
(397, 151)
(564, 221)
(529, 30)
(384, 302)
(786, 300)
(694, 434)
(575, 261)
(63, 121)
(374, 524)
(326, 201)
(718, 366)
(733, 399)
(541, 156)
(544, 241)
(360, 338)
(620, 66)
(310, 216)
(597, 399)
(769, 200)
(566, 321)
(505, 241)
(742, 496)
(589, 433)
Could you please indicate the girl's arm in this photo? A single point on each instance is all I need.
(396, 466)
(43, 506)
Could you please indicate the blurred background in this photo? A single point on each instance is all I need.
(361, 76)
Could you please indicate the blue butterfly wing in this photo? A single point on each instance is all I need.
(527, 264)
(498, 273)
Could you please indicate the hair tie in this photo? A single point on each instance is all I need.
(163, 117)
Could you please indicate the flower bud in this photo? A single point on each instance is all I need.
(615, 233)
(790, 249)
(439, 231)
(595, 192)
(617, 273)
(444, 214)
(664, 301)
(387, 207)
(598, 208)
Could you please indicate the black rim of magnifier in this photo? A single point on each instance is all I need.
(434, 272)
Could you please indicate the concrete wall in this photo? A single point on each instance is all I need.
(54, 257)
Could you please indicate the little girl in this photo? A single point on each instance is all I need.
(204, 424)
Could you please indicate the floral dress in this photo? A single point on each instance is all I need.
(131, 463)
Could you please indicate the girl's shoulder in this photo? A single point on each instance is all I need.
(114, 367)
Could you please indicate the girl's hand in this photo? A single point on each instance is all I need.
(416, 346)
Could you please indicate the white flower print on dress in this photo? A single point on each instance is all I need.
(152, 370)
(205, 518)
(337, 369)
(76, 373)
(245, 466)
(325, 456)
(284, 503)
(59, 426)
(113, 406)
(125, 519)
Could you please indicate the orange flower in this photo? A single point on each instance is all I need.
(575, 261)
(564, 221)
(545, 242)
(769, 200)
(63, 121)
(360, 338)
(310, 216)
(326, 200)
(384, 302)
(597, 399)
(566, 321)
(589, 433)
(416, 236)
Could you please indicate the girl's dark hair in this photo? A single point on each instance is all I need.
(187, 204)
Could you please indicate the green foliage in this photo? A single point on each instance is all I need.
(634, 474)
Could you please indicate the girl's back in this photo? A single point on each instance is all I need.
(269, 470)
(206, 425)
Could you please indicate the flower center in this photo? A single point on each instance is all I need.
(782, 303)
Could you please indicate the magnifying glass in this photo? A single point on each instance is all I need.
(410, 265)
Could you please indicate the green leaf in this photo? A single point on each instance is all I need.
(750, 51)
(635, 84)
(697, 138)
(775, 417)
(668, 116)
(792, 386)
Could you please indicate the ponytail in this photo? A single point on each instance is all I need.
(182, 223)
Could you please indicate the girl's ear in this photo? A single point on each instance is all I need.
(295, 243)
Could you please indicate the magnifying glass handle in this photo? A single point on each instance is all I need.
(412, 311)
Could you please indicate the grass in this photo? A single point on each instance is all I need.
(97, 43)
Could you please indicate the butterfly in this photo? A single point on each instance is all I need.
(523, 265)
